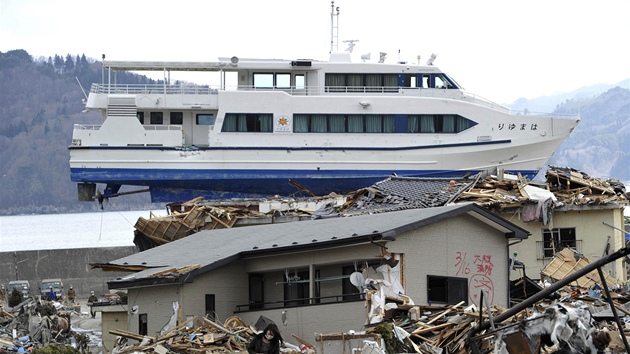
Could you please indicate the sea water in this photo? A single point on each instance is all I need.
(62, 231)
(81, 230)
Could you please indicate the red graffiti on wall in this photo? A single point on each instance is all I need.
(481, 272)
(477, 283)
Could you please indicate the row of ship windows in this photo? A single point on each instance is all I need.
(369, 82)
(351, 123)
(176, 118)
(328, 123)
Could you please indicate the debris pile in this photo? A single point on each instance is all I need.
(33, 324)
(196, 215)
(563, 185)
(200, 335)
(578, 315)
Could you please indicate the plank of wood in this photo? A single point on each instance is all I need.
(431, 329)
(446, 312)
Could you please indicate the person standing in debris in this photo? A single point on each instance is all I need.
(267, 341)
(4, 296)
(51, 294)
(91, 300)
(71, 295)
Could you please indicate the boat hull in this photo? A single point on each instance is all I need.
(180, 174)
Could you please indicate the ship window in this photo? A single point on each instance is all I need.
(263, 80)
(429, 123)
(283, 80)
(299, 82)
(177, 118)
(248, 123)
(424, 80)
(157, 118)
(205, 119)
(140, 116)
(335, 82)
(355, 123)
(355, 83)
(341, 123)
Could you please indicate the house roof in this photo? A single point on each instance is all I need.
(214, 248)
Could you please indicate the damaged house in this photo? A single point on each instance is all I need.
(314, 276)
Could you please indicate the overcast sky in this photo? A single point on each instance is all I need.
(499, 49)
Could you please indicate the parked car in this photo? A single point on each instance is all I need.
(22, 285)
(55, 283)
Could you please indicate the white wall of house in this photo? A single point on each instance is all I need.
(458, 247)
(461, 247)
(154, 301)
(590, 230)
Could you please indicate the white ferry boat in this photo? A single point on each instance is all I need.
(323, 126)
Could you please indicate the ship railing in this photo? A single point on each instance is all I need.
(137, 89)
(87, 126)
(545, 114)
(162, 127)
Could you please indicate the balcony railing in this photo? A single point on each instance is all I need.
(300, 302)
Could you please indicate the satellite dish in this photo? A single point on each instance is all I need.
(431, 59)
(366, 56)
(357, 279)
(234, 60)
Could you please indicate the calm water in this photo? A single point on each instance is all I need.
(60, 231)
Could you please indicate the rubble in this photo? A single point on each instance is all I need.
(33, 324)
(201, 335)
(563, 186)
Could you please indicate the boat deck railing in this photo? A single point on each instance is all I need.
(188, 89)
(146, 127)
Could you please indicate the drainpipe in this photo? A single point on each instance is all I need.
(510, 267)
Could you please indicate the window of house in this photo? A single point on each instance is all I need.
(204, 119)
(449, 290)
(140, 116)
(143, 324)
(177, 118)
(210, 306)
(296, 292)
(256, 291)
(157, 118)
(555, 240)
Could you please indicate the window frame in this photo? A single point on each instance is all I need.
(444, 289)
(156, 118)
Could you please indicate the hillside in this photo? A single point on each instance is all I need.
(41, 100)
(600, 144)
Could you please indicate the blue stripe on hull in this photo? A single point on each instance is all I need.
(180, 185)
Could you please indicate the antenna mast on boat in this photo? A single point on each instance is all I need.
(334, 27)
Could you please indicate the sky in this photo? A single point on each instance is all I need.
(501, 50)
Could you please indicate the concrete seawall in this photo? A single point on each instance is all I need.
(71, 265)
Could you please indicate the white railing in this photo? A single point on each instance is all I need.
(454, 94)
(87, 126)
(162, 127)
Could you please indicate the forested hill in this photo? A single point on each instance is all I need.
(600, 145)
(41, 99)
